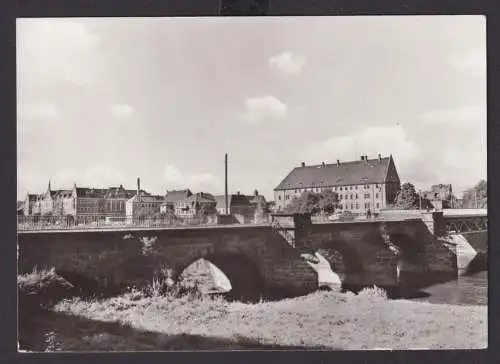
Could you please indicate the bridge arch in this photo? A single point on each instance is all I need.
(247, 282)
(344, 260)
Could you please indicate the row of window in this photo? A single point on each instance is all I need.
(356, 206)
(346, 197)
(350, 197)
(342, 188)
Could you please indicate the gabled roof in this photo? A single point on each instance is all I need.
(177, 195)
(33, 197)
(232, 201)
(344, 173)
(120, 192)
(147, 198)
(201, 197)
(253, 199)
(90, 192)
(62, 193)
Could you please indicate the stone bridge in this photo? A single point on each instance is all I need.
(259, 260)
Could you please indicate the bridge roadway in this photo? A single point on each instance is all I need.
(256, 258)
(138, 227)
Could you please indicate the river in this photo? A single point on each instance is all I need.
(466, 290)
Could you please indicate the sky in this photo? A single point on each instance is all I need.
(102, 101)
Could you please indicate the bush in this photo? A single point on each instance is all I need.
(42, 287)
(373, 292)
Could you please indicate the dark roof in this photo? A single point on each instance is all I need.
(201, 197)
(61, 193)
(346, 173)
(147, 198)
(120, 192)
(33, 197)
(90, 192)
(256, 199)
(232, 200)
(177, 195)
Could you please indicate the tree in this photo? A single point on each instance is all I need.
(310, 202)
(261, 211)
(477, 196)
(407, 198)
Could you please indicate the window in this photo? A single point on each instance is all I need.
(341, 188)
(340, 197)
(279, 198)
(335, 188)
(367, 195)
(378, 205)
(356, 196)
(376, 195)
(357, 206)
(351, 197)
(376, 185)
(352, 206)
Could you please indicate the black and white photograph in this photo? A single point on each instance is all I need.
(251, 183)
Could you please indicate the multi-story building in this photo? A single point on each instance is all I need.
(172, 197)
(142, 204)
(366, 184)
(190, 206)
(116, 199)
(31, 204)
(440, 196)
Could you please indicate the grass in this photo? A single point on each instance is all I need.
(172, 320)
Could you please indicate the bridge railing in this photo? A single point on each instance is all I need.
(30, 223)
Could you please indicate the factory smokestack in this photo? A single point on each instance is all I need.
(138, 187)
(225, 180)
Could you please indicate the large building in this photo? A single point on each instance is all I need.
(172, 198)
(362, 185)
(143, 204)
(190, 206)
(440, 196)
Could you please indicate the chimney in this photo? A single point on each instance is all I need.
(338, 163)
(238, 193)
(225, 184)
(256, 193)
(366, 158)
(362, 157)
(303, 164)
(379, 157)
(322, 164)
(138, 186)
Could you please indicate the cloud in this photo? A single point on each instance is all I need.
(29, 114)
(473, 61)
(39, 111)
(172, 175)
(267, 107)
(94, 176)
(56, 49)
(461, 115)
(122, 110)
(204, 182)
(287, 63)
(370, 141)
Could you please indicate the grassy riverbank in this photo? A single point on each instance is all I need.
(323, 320)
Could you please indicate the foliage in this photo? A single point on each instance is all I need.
(407, 198)
(321, 320)
(374, 292)
(311, 202)
(261, 211)
(477, 196)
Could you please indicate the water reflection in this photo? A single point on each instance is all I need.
(466, 290)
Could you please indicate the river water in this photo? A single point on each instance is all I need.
(465, 290)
